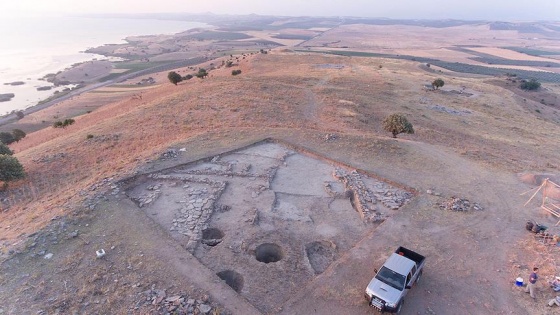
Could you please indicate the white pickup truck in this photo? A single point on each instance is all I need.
(386, 291)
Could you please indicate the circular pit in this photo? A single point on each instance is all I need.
(268, 252)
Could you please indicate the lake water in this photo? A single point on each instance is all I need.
(33, 47)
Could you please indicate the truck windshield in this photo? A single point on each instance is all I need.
(391, 278)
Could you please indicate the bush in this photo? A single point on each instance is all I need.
(4, 150)
(397, 123)
(530, 85)
(438, 83)
(201, 74)
(10, 169)
(89, 136)
(188, 77)
(18, 134)
(20, 114)
(174, 77)
(6, 137)
(235, 72)
(63, 124)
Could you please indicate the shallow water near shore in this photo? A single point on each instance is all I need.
(35, 46)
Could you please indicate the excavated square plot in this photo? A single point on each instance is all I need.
(266, 219)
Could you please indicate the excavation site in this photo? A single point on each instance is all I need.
(268, 218)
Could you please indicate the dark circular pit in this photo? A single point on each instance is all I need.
(212, 236)
(232, 278)
(268, 252)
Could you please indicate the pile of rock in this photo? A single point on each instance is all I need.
(170, 154)
(158, 302)
(153, 193)
(459, 204)
(148, 81)
(364, 197)
(195, 212)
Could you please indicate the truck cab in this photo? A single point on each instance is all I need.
(386, 291)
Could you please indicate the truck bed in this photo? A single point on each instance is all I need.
(412, 255)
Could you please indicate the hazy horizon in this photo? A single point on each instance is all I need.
(504, 10)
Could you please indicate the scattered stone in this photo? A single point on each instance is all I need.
(73, 234)
(170, 154)
(204, 308)
(48, 256)
(459, 204)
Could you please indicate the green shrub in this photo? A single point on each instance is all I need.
(174, 77)
(4, 150)
(18, 134)
(397, 123)
(201, 74)
(63, 124)
(530, 85)
(235, 72)
(438, 83)
(6, 137)
(10, 169)
(89, 136)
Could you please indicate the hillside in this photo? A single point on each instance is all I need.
(472, 137)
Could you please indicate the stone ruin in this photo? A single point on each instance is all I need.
(266, 216)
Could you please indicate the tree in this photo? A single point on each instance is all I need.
(18, 134)
(4, 150)
(10, 169)
(201, 74)
(6, 137)
(530, 85)
(437, 83)
(397, 123)
(174, 77)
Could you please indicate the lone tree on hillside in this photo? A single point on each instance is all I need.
(10, 169)
(397, 123)
(174, 77)
(437, 83)
(530, 85)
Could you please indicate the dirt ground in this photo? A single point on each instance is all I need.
(278, 192)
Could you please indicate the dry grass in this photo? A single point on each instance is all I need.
(275, 91)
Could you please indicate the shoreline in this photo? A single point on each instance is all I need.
(61, 49)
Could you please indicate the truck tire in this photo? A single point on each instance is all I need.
(399, 307)
(419, 276)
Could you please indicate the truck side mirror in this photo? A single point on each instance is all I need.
(408, 287)
(375, 270)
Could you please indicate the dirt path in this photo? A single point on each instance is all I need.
(312, 109)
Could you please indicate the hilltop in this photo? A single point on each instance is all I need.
(322, 94)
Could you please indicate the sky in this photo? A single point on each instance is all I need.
(504, 10)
